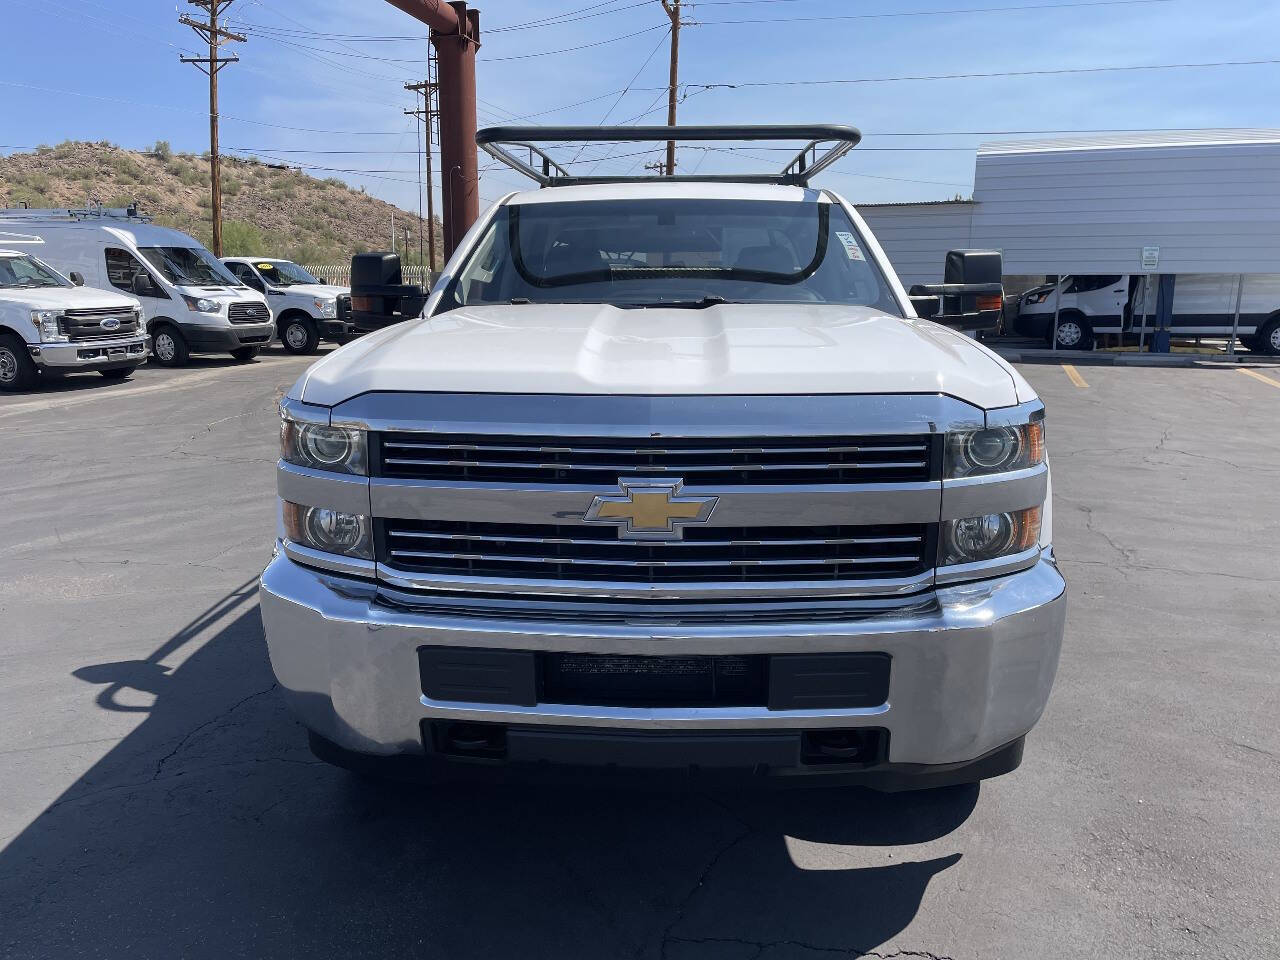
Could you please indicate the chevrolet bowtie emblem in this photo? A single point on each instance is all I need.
(650, 509)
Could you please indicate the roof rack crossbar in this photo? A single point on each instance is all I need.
(498, 142)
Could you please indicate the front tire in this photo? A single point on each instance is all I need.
(245, 354)
(168, 347)
(300, 335)
(117, 373)
(17, 369)
(1268, 338)
(1074, 332)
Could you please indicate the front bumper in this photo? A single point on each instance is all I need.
(335, 329)
(211, 339)
(971, 670)
(90, 354)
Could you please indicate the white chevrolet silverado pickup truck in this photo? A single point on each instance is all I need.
(670, 474)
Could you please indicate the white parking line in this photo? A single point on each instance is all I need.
(179, 382)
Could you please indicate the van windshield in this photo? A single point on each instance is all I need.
(188, 266)
(671, 252)
(20, 270)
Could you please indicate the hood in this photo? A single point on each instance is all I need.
(724, 349)
(221, 293)
(62, 298)
(315, 289)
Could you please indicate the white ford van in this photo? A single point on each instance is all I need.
(50, 325)
(190, 303)
(1204, 305)
(305, 307)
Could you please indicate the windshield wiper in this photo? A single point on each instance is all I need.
(711, 300)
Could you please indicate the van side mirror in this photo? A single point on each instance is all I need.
(142, 286)
(76, 278)
(971, 296)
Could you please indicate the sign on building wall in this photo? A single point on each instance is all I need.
(1150, 259)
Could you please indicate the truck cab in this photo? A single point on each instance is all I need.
(190, 303)
(50, 325)
(670, 474)
(305, 307)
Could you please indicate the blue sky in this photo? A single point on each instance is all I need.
(109, 70)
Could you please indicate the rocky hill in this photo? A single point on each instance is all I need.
(266, 210)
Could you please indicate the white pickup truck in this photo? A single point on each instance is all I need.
(670, 474)
(304, 306)
(50, 325)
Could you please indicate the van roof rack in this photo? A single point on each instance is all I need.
(544, 170)
(73, 214)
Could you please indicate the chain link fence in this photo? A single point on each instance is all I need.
(340, 274)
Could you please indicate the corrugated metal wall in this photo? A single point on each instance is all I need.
(1210, 202)
(916, 236)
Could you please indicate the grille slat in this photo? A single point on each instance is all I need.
(601, 460)
(705, 555)
(85, 323)
(248, 311)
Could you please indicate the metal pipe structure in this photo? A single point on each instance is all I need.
(455, 33)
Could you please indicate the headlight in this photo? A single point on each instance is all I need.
(974, 539)
(339, 449)
(330, 531)
(47, 322)
(1040, 297)
(202, 304)
(975, 453)
(327, 308)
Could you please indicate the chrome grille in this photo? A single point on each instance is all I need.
(705, 555)
(248, 311)
(698, 461)
(86, 323)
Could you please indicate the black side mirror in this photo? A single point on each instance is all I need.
(971, 296)
(76, 278)
(141, 285)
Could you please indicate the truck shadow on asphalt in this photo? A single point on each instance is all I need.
(210, 831)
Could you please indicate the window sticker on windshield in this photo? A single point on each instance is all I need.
(266, 266)
(851, 248)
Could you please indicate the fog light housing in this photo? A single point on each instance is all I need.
(328, 530)
(989, 537)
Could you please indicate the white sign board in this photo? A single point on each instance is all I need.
(1150, 259)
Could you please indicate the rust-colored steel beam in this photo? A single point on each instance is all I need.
(455, 33)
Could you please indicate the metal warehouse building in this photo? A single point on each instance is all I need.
(1204, 202)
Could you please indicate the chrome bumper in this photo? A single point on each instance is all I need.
(971, 669)
(70, 356)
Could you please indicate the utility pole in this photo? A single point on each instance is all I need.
(427, 115)
(673, 11)
(657, 165)
(215, 36)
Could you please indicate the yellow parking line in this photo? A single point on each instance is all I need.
(1074, 376)
(1257, 376)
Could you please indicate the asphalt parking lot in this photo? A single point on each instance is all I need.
(158, 801)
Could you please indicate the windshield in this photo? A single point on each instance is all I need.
(24, 271)
(282, 273)
(188, 266)
(644, 252)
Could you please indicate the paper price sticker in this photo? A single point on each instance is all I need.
(851, 248)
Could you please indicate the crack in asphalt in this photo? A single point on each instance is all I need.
(762, 945)
(208, 723)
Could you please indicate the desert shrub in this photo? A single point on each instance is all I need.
(162, 149)
(192, 176)
(242, 239)
(124, 166)
(230, 186)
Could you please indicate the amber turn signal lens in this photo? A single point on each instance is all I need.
(989, 301)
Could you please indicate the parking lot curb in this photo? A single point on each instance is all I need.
(1087, 358)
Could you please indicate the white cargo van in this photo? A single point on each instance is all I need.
(190, 303)
(1204, 305)
(305, 307)
(50, 325)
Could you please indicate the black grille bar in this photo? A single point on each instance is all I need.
(704, 555)
(86, 323)
(601, 460)
(248, 311)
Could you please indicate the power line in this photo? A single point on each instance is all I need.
(581, 46)
(1056, 71)
(929, 13)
